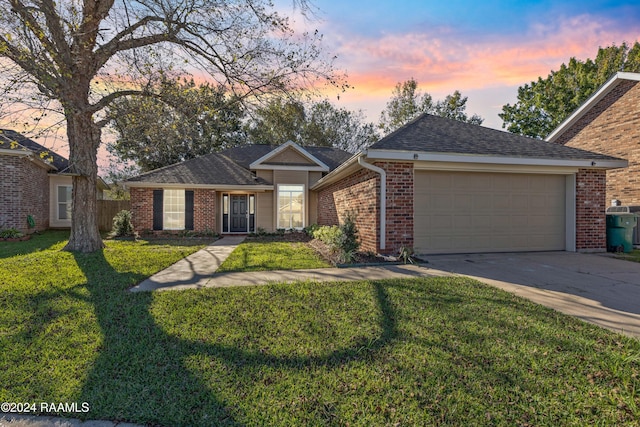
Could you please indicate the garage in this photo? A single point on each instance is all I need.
(470, 212)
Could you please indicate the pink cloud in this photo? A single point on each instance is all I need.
(442, 60)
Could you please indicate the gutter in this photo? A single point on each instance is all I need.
(383, 198)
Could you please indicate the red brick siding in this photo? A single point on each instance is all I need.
(399, 205)
(359, 193)
(591, 232)
(612, 127)
(142, 208)
(24, 190)
(204, 209)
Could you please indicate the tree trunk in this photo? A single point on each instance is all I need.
(84, 140)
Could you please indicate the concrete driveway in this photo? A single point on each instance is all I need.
(593, 287)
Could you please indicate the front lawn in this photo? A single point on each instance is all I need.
(256, 255)
(432, 351)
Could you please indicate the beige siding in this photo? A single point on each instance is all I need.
(264, 211)
(267, 175)
(54, 182)
(465, 212)
(312, 203)
(314, 177)
(290, 156)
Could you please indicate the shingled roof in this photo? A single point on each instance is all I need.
(434, 134)
(211, 169)
(10, 139)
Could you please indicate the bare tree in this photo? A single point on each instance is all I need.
(77, 57)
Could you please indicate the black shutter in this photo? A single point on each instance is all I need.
(157, 209)
(188, 210)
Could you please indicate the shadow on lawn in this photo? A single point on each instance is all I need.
(141, 375)
(37, 242)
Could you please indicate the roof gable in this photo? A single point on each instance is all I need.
(10, 139)
(590, 103)
(289, 156)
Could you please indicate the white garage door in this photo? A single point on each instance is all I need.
(466, 212)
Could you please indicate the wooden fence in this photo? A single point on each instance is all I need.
(107, 209)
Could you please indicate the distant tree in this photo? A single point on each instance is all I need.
(184, 121)
(318, 124)
(338, 127)
(407, 103)
(453, 107)
(277, 122)
(543, 104)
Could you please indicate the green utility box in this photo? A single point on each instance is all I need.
(620, 232)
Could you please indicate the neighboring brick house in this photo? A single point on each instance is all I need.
(446, 187)
(34, 184)
(609, 123)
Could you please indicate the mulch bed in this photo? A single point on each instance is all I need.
(320, 247)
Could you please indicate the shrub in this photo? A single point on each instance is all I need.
(342, 239)
(11, 233)
(329, 235)
(348, 239)
(311, 229)
(122, 225)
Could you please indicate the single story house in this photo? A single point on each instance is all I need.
(609, 123)
(435, 185)
(240, 190)
(35, 184)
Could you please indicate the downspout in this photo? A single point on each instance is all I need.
(383, 198)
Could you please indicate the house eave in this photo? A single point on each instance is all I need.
(27, 153)
(345, 169)
(412, 156)
(225, 187)
(589, 103)
(290, 168)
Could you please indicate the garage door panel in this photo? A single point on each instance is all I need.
(488, 212)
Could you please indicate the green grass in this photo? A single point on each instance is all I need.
(272, 255)
(432, 351)
(631, 256)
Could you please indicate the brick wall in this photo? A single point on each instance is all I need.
(399, 205)
(142, 208)
(24, 190)
(35, 196)
(612, 127)
(591, 229)
(359, 193)
(204, 209)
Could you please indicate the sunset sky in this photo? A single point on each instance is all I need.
(485, 49)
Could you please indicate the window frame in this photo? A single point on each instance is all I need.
(68, 203)
(302, 207)
(175, 209)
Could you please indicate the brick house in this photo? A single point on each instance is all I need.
(609, 123)
(436, 185)
(240, 190)
(35, 183)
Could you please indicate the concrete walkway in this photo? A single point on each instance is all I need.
(197, 271)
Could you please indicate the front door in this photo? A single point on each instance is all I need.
(238, 213)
